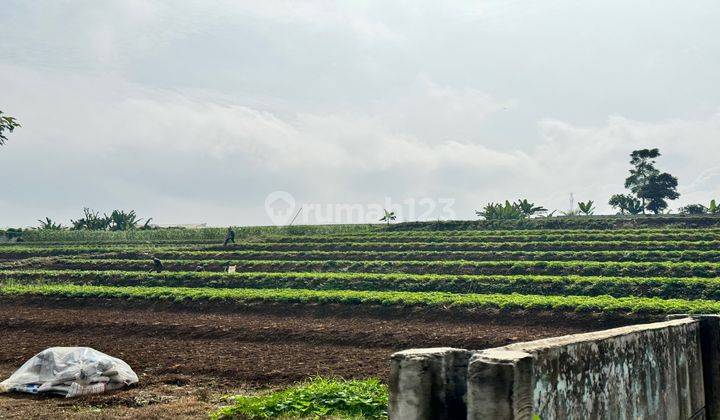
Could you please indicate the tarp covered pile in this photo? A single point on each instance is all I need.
(70, 371)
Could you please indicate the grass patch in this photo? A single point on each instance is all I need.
(319, 397)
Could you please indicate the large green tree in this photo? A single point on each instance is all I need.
(7, 125)
(649, 185)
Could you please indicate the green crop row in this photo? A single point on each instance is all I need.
(559, 246)
(178, 234)
(637, 256)
(477, 246)
(685, 288)
(519, 236)
(372, 247)
(437, 300)
(582, 268)
(675, 226)
(24, 251)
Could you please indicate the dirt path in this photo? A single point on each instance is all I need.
(186, 359)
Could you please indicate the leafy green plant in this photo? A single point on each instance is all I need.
(7, 125)
(388, 217)
(586, 208)
(317, 398)
(48, 224)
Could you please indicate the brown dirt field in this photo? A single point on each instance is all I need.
(187, 357)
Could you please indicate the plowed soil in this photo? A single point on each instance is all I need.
(187, 357)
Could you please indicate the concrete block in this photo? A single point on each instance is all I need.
(499, 385)
(428, 384)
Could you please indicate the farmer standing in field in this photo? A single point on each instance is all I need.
(229, 237)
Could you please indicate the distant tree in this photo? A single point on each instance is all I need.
(693, 209)
(627, 204)
(648, 184)
(586, 208)
(659, 188)
(389, 216)
(7, 125)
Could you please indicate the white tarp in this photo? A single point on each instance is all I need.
(70, 371)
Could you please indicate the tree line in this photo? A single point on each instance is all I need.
(649, 192)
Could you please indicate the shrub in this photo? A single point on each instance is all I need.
(693, 209)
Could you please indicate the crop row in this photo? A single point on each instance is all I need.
(559, 246)
(488, 236)
(24, 251)
(436, 300)
(376, 233)
(376, 246)
(637, 256)
(582, 268)
(685, 288)
(187, 235)
(478, 246)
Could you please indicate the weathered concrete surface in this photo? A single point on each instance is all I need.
(710, 349)
(428, 384)
(499, 385)
(651, 371)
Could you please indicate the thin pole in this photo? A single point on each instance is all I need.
(296, 215)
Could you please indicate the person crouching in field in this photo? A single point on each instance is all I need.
(229, 237)
(157, 265)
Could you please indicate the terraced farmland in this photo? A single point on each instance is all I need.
(333, 301)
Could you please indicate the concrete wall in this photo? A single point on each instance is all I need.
(651, 371)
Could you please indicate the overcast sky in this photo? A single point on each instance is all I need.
(195, 111)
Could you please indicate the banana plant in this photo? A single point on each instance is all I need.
(48, 224)
(714, 208)
(389, 216)
(7, 125)
(120, 220)
(91, 221)
(528, 208)
(586, 208)
(499, 211)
